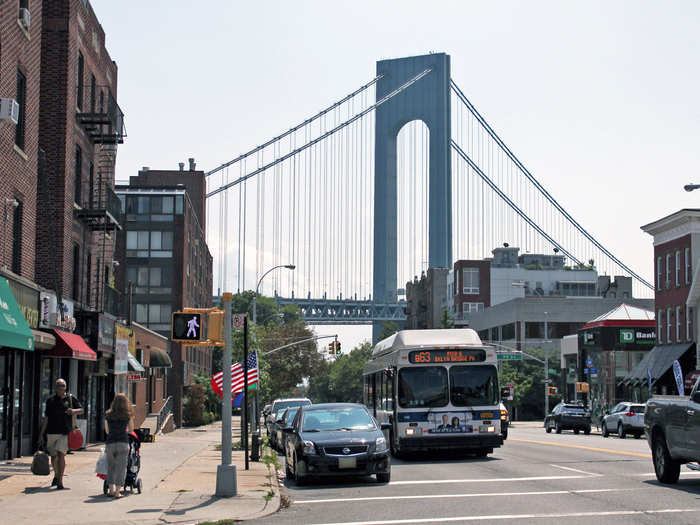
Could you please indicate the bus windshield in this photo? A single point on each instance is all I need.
(424, 386)
(473, 385)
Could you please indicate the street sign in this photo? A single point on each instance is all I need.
(589, 363)
(238, 320)
(590, 371)
(547, 381)
(510, 357)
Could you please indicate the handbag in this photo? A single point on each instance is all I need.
(101, 465)
(75, 436)
(40, 464)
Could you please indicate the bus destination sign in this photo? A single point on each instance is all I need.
(447, 356)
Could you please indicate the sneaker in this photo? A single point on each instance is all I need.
(59, 486)
(54, 482)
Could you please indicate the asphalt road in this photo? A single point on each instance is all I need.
(534, 478)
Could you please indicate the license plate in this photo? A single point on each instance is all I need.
(347, 462)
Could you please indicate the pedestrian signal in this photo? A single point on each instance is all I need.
(552, 390)
(582, 387)
(186, 327)
(215, 326)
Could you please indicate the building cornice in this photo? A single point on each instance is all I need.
(674, 226)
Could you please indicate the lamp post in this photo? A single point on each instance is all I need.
(521, 284)
(691, 187)
(254, 423)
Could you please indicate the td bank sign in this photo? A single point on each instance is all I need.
(640, 337)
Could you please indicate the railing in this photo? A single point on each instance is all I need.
(165, 411)
(100, 115)
(112, 301)
(100, 201)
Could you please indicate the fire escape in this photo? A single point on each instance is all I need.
(102, 120)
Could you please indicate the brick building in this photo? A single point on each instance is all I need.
(165, 258)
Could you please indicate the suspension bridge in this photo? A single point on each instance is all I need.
(401, 174)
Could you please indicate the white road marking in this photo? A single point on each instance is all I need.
(575, 470)
(488, 480)
(654, 474)
(517, 517)
(437, 496)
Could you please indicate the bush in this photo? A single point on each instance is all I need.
(193, 409)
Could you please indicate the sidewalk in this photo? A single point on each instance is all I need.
(179, 480)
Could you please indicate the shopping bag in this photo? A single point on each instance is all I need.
(75, 439)
(40, 464)
(101, 465)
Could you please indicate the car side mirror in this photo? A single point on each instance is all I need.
(288, 430)
(386, 426)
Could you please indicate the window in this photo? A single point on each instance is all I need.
(76, 272)
(17, 237)
(659, 273)
(678, 268)
(424, 386)
(668, 270)
(678, 324)
(668, 325)
(688, 267)
(473, 385)
(78, 174)
(22, 102)
(91, 187)
(81, 67)
(92, 93)
(468, 308)
(688, 324)
(660, 325)
(470, 281)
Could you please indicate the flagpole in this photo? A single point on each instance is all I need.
(245, 389)
(226, 485)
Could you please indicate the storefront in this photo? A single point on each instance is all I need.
(16, 352)
(609, 348)
(654, 374)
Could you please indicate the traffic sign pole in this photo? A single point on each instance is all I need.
(226, 485)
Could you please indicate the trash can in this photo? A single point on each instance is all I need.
(255, 447)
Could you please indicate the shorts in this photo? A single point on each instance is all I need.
(57, 443)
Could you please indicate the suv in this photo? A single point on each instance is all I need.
(625, 418)
(278, 405)
(568, 416)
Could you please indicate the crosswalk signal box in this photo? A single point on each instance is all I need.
(582, 387)
(552, 390)
(186, 327)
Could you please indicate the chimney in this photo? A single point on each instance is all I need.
(145, 168)
(192, 164)
(182, 165)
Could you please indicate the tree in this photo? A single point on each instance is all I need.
(341, 380)
(389, 328)
(445, 321)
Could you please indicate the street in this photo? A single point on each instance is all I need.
(534, 477)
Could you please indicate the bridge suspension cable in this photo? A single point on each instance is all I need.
(460, 95)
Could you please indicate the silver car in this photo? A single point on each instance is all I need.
(625, 418)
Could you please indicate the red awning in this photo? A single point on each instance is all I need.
(70, 345)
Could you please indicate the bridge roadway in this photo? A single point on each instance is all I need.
(345, 311)
(534, 478)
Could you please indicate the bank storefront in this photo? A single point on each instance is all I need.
(609, 348)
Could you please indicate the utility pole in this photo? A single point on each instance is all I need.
(546, 368)
(226, 485)
(244, 437)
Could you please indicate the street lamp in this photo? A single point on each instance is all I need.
(254, 424)
(520, 284)
(691, 187)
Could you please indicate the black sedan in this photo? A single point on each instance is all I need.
(568, 416)
(336, 439)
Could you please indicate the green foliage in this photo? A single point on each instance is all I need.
(389, 328)
(212, 402)
(193, 406)
(527, 375)
(445, 321)
(341, 380)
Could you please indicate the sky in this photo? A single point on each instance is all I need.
(598, 98)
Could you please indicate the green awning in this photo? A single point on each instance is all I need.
(14, 330)
(134, 364)
(159, 359)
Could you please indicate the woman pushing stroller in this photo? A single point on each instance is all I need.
(119, 421)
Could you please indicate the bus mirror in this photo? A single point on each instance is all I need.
(386, 426)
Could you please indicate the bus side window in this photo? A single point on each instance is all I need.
(365, 392)
(390, 391)
(380, 390)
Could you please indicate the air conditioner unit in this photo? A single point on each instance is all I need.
(9, 110)
(24, 17)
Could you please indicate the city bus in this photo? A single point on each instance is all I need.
(438, 389)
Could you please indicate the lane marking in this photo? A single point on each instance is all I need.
(518, 517)
(575, 470)
(594, 449)
(439, 496)
(487, 480)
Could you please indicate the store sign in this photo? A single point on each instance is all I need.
(49, 315)
(638, 336)
(123, 335)
(588, 338)
(105, 334)
(133, 377)
(28, 300)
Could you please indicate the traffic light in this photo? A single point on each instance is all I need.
(552, 390)
(337, 348)
(331, 348)
(186, 327)
(215, 326)
(582, 387)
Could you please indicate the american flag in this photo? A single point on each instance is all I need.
(237, 383)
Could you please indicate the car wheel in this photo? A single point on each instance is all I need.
(637, 435)
(604, 430)
(383, 477)
(667, 470)
(482, 452)
(547, 428)
(557, 428)
(299, 480)
(587, 430)
(620, 431)
(576, 431)
(288, 471)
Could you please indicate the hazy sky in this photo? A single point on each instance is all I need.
(598, 99)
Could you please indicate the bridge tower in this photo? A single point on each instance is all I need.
(427, 100)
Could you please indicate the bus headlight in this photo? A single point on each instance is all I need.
(410, 431)
(380, 445)
(309, 448)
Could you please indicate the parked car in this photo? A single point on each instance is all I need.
(336, 439)
(277, 406)
(282, 423)
(568, 416)
(505, 420)
(672, 426)
(625, 418)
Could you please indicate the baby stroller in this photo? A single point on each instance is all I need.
(133, 464)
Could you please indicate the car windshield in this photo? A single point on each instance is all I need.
(638, 409)
(423, 386)
(341, 418)
(473, 385)
(279, 406)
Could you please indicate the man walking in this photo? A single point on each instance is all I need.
(57, 424)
